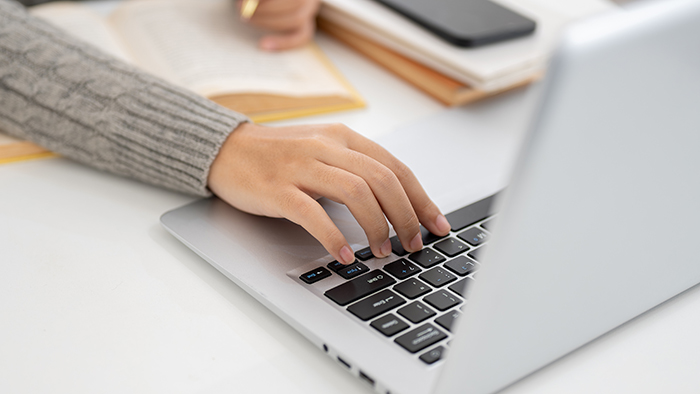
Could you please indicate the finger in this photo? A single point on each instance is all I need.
(276, 7)
(303, 210)
(346, 188)
(428, 213)
(282, 22)
(293, 39)
(386, 189)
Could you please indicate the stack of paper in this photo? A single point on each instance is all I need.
(490, 68)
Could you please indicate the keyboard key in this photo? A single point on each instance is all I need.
(451, 247)
(432, 355)
(352, 270)
(437, 277)
(442, 300)
(416, 312)
(462, 287)
(315, 275)
(359, 287)
(396, 246)
(401, 268)
(475, 236)
(462, 266)
(429, 237)
(476, 253)
(427, 257)
(470, 214)
(448, 320)
(412, 288)
(335, 265)
(487, 224)
(389, 325)
(420, 338)
(376, 305)
(364, 254)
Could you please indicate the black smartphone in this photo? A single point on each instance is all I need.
(464, 23)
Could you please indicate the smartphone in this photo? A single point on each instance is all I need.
(464, 23)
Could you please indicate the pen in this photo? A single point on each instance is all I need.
(248, 8)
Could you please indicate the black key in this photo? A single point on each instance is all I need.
(335, 265)
(420, 338)
(396, 246)
(416, 312)
(429, 237)
(462, 287)
(448, 320)
(376, 305)
(475, 236)
(315, 275)
(437, 277)
(470, 214)
(427, 257)
(476, 253)
(359, 287)
(389, 324)
(442, 300)
(364, 254)
(432, 355)
(412, 288)
(451, 247)
(401, 268)
(487, 224)
(462, 266)
(352, 270)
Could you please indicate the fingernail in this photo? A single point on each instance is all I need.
(346, 255)
(442, 224)
(416, 243)
(268, 45)
(386, 248)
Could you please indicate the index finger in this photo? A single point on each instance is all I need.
(303, 210)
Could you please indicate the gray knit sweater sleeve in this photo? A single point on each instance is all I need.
(71, 98)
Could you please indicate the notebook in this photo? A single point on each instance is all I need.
(570, 250)
(203, 46)
(489, 68)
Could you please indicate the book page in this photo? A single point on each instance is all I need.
(203, 46)
(82, 23)
(12, 149)
(7, 140)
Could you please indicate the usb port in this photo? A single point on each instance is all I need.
(344, 362)
(366, 378)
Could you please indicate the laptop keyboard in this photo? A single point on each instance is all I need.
(414, 299)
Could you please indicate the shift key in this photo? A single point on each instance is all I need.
(359, 287)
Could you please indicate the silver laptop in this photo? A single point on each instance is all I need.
(598, 225)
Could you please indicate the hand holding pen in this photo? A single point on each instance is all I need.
(291, 23)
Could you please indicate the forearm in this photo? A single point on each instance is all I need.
(77, 101)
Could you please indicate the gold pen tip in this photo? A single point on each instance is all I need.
(248, 8)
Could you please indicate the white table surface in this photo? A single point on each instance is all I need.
(96, 297)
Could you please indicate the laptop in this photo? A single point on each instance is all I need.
(597, 225)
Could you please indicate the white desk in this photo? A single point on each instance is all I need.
(96, 297)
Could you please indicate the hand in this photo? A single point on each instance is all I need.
(281, 171)
(292, 21)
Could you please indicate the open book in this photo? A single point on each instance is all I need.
(203, 46)
(12, 149)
